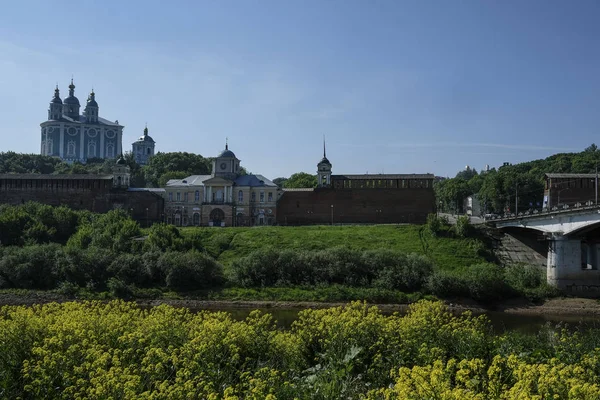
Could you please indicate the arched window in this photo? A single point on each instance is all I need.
(71, 149)
(91, 149)
(197, 195)
(149, 150)
(47, 147)
(240, 196)
(196, 219)
(110, 150)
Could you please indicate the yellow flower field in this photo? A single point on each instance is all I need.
(116, 350)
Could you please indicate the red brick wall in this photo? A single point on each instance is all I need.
(98, 198)
(375, 206)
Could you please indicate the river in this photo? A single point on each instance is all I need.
(501, 321)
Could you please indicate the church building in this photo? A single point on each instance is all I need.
(226, 197)
(143, 148)
(74, 136)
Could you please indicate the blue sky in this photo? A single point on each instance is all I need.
(396, 86)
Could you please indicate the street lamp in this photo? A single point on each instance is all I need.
(332, 214)
(146, 217)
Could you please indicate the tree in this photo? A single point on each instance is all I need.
(301, 180)
(186, 163)
(280, 181)
(591, 148)
(451, 193)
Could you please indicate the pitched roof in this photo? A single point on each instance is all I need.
(82, 120)
(192, 180)
(253, 181)
(384, 176)
(156, 190)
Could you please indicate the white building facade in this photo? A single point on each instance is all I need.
(224, 198)
(74, 136)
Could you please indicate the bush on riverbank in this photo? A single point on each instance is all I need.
(117, 350)
(388, 274)
(380, 268)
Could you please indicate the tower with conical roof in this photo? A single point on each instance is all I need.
(91, 109)
(71, 104)
(324, 169)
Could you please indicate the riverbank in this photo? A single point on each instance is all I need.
(557, 306)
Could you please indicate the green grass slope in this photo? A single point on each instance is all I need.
(227, 244)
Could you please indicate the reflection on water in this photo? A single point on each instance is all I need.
(501, 322)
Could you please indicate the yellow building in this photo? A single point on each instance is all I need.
(224, 198)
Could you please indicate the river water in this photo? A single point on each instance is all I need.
(501, 322)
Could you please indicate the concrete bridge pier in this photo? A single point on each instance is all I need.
(573, 265)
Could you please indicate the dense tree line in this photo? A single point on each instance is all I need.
(497, 189)
(161, 168)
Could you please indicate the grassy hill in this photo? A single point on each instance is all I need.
(227, 244)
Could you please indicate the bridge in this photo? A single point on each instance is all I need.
(573, 236)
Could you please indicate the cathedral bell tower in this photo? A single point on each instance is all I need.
(71, 104)
(56, 106)
(324, 170)
(91, 109)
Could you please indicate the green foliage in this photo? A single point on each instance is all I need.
(436, 224)
(381, 268)
(31, 267)
(163, 166)
(301, 180)
(190, 271)
(113, 230)
(34, 223)
(463, 227)
(497, 189)
(162, 237)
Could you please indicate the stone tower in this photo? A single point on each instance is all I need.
(71, 104)
(324, 170)
(121, 173)
(143, 148)
(56, 106)
(91, 109)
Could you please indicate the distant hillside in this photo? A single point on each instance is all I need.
(497, 187)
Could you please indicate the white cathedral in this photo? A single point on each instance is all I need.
(72, 136)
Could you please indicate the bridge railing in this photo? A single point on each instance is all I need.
(532, 212)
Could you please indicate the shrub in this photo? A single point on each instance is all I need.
(486, 282)
(31, 267)
(521, 276)
(190, 271)
(448, 284)
(119, 289)
(130, 269)
(405, 272)
(162, 237)
(67, 288)
(434, 224)
(463, 226)
(383, 268)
